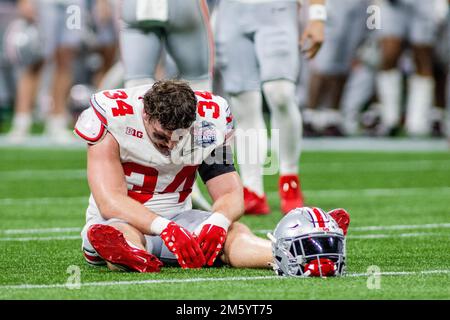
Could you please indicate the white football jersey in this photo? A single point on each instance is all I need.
(162, 183)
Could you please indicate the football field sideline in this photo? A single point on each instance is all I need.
(254, 278)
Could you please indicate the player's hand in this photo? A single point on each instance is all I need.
(183, 245)
(312, 38)
(211, 236)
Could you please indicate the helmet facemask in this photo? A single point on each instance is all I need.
(300, 248)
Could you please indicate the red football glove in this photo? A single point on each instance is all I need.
(183, 245)
(211, 236)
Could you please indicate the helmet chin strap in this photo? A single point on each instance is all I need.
(321, 267)
(271, 237)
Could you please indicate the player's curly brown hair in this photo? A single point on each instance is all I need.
(172, 103)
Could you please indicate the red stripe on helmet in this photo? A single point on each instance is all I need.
(319, 218)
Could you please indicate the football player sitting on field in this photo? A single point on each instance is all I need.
(145, 146)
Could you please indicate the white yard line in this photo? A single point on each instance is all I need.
(26, 239)
(386, 228)
(43, 230)
(43, 174)
(366, 228)
(401, 235)
(163, 281)
(403, 227)
(378, 166)
(375, 192)
(42, 201)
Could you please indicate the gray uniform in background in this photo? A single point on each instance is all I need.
(182, 26)
(345, 29)
(256, 42)
(447, 122)
(413, 20)
(61, 24)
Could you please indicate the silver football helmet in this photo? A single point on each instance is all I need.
(308, 242)
(23, 43)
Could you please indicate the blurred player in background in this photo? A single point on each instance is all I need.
(105, 25)
(60, 41)
(344, 31)
(447, 122)
(258, 49)
(8, 12)
(182, 27)
(415, 21)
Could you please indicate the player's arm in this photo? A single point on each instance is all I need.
(226, 191)
(314, 33)
(108, 186)
(227, 195)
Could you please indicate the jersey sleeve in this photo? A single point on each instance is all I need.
(214, 112)
(219, 162)
(89, 127)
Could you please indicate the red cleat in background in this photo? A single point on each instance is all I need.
(111, 245)
(254, 204)
(290, 193)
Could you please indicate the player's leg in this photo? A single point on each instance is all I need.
(27, 86)
(239, 68)
(395, 19)
(251, 148)
(64, 41)
(106, 37)
(119, 245)
(243, 249)
(276, 43)
(329, 71)
(421, 85)
(189, 42)
(140, 51)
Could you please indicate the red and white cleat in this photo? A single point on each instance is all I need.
(342, 218)
(111, 246)
(254, 204)
(290, 193)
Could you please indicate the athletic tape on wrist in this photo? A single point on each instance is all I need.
(317, 12)
(158, 225)
(220, 220)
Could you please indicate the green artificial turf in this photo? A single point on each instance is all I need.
(43, 197)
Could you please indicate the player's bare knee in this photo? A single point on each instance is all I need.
(237, 229)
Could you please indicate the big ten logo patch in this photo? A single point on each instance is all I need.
(133, 132)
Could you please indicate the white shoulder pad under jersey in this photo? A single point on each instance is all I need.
(212, 127)
(111, 110)
(89, 127)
